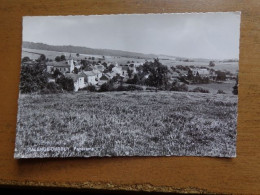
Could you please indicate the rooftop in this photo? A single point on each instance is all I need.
(75, 77)
(58, 64)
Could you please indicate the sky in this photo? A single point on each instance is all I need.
(192, 35)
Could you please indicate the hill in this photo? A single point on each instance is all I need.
(86, 50)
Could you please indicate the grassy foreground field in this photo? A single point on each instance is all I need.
(126, 124)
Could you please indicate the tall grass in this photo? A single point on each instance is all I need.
(126, 123)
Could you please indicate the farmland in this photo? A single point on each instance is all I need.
(170, 61)
(126, 124)
(34, 54)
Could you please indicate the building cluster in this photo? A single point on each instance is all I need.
(92, 75)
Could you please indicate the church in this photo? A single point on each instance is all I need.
(63, 66)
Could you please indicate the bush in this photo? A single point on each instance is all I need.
(51, 88)
(26, 59)
(211, 64)
(221, 76)
(200, 90)
(62, 58)
(121, 88)
(235, 88)
(106, 87)
(91, 88)
(150, 89)
(57, 59)
(176, 86)
(134, 87)
(66, 83)
(220, 92)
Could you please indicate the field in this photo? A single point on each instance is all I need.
(219, 65)
(34, 54)
(226, 86)
(223, 66)
(126, 124)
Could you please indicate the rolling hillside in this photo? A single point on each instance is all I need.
(86, 50)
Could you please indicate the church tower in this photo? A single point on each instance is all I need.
(71, 64)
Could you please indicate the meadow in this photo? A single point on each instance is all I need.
(219, 65)
(225, 86)
(143, 123)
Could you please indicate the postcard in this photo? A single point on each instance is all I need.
(129, 85)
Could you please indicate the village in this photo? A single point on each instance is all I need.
(90, 73)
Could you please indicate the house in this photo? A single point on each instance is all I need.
(97, 73)
(99, 67)
(89, 77)
(111, 75)
(61, 66)
(78, 80)
(124, 71)
(117, 70)
(105, 78)
(30, 63)
(133, 68)
(203, 72)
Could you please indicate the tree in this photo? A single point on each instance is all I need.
(211, 64)
(62, 58)
(176, 86)
(130, 73)
(57, 59)
(190, 75)
(32, 78)
(76, 71)
(158, 74)
(235, 88)
(57, 73)
(110, 67)
(109, 86)
(104, 64)
(135, 80)
(66, 83)
(26, 59)
(41, 58)
(221, 75)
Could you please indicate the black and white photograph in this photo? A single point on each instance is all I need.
(128, 85)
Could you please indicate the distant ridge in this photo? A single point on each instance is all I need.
(86, 50)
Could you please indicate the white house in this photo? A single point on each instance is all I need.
(89, 77)
(78, 80)
(117, 70)
(97, 73)
(99, 67)
(203, 72)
